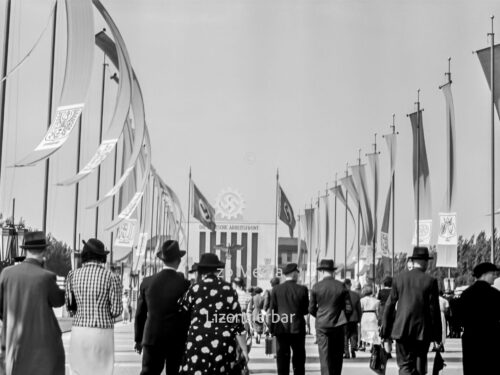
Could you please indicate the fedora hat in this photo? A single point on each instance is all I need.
(35, 241)
(170, 251)
(94, 246)
(194, 268)
(483, 268)
(210, 261)
(289, 268)
(420, 253)
(326, 265)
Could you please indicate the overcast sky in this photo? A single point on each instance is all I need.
(238, 88)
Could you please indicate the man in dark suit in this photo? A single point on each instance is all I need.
(160, 327)
(351, 328)
(289, 303)
(479, 313)
(417, 320)
(31, 337)
(331, 306)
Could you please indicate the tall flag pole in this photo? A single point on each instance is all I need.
(418, 167)
(153, 182)
(51, 94)
(276, 223)
(447, 240)
(492, 80)
(190, 190)
(327, 221)
(77, 185)
(4, 74)
(359, 220)
(346, 212)
(335, 224)
(393, 193)
(488, 59)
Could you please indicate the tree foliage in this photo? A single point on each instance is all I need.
(58, 257)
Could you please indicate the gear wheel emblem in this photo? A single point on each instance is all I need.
(230, 204)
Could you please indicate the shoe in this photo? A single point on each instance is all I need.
(346, 356)
(353, 354)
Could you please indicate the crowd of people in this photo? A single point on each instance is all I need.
(207, 325)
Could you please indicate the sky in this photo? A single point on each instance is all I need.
(236, 89)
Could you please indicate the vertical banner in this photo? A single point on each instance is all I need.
(447, 241)
(425, 230)
(359, 177)
(484, 56)
(142, 244)
(126, 233)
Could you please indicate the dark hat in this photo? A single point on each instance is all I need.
(258, 290)
(420, 253)
(194, 268)
(94, 246)
(289, 268)
(35, 241)
(326, 265)
(210, 261)
(483, 268)
(170, 251)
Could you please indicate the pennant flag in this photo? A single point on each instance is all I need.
(384, 230)
(126, 233)
(450, 143)
(447, 241)
(424, 233)
(359, 178)
(421, 180)
(286, 214)
(310, 225)
(201, 209)
(324, 224)
(484, 56)
(337, 191)
(142, 243)
(373, 161)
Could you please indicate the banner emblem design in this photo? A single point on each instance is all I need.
(230, 204)
(448, 229)
(65, 120)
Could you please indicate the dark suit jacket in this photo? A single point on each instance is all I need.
(417, 316)
(329, 298)
(158, 317)
(31, 335)
(356, 307)
(287, 299)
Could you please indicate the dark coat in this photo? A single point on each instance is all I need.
(478, 312)
(329, 298)
(31, 337)
(356, 307)
(158, 317)
(287, 299)
(417, 316)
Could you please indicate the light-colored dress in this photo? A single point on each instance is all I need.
(369, 321)
(443, 306)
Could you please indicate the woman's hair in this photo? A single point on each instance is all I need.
(367, 290)
(388, 281)
(88, 256)
(239, 282)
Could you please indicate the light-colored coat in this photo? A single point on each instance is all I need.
(31, 337)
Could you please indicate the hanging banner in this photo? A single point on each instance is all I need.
(129, 210)
(142, 243)
(484, 56)
(424, 231)
(102, 153)
(59, 131)
(447, 241)
(126, 233)
(384, 245)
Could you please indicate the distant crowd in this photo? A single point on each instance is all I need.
(207, 326)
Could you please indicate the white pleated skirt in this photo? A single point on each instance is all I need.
(91, 351)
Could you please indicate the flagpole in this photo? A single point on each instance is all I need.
(49, 120)
(4, 74)
(335, 224)
(77, 185)
(359, 217)
(393, 187)
(309, 234)
(418, 167)
(103, 86)
(113, 205)
(188, 222)
(151, 223)
(346, 205)
(276, 225)
(492, 81)
(374, 240)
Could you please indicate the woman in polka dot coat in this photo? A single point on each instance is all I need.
(216, 330)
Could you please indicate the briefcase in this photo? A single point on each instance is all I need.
(270, 345)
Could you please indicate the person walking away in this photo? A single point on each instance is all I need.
(267, 300)
(255, 311)
(383, 296)
(216, 333)
(478, 311)
(351, 328)
(160, 326)
(93, 296)
(31, 337)
(444, 308)
(369, 317)
(417, 321)
(330, 304)
(126, 318)
(289, 305)
(244, 299)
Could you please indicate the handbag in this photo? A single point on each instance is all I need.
(71, 305)
(439, 364)
(270, 345)
(378, 359)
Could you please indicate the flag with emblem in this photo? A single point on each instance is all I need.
(201, 209)
(286, 211)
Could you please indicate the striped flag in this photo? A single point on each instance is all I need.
(286, 214)
(202, 210)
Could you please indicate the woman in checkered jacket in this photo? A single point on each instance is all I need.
(94, 298)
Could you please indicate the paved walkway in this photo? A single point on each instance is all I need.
(128, 362)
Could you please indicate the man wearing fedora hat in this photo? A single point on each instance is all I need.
(289, 304)
(31, 337)
(417, 320)
(160, 327)
(479, 314)
(331, 306)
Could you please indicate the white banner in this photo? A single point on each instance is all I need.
(384, 245)
(448, 229)
(424, 233)
(64, 121)
(126, 233)
(142, 243)
(102, 152)
(129, 210)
